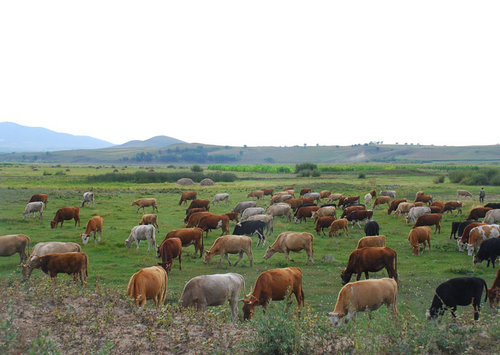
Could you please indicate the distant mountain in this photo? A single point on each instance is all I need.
(155, 142)
(18, 138)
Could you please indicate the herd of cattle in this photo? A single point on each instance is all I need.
(371, 255)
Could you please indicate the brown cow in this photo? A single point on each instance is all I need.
(258, 194)
(359, 216)
(40, 197)
(194, 218)
(145, 202)
(292, 241)
(150, 219)
(394, 205)
(305, 212)
(349, 200)
(168, 250)
(230, 244)
(207, 223)
(323, 223)
(193, 210)
(372, 241)
(187, 195)
(75, 264)
(430, 219)
(148, 284)
(233, 216)
(338, 225)
(325, 193)
(66, 213)
(274, 284)
(350, 209)
(419, 235)
(381, 200)
(494, 291)
(268, 192)
(370, 259)
(436, 209)
(94, 225)
(295, 203)
(438, 203)
(15, 243)
(478, 212)
(464, 238)
(189, 236)
(199, 203)
(453, 205)
(305, 191)
(424, 198)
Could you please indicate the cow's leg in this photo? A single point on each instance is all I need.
(250, 257)
(137, 242)
(226, 255)
(180, 260)
(358, 276)
(149, 244)
(241, 256)
(366, 275)
(233, 303)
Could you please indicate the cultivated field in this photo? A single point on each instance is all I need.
(111, 263)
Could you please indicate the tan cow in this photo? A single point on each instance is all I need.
(419, 235)
(148, 284)
(324, 211)
(230, 244)
(403, 207)
(381, 200)
(338, 225)
(292, 241)
(258, 194)
(463, 193)
(44, 248)
(94, 225)
(145, 202)
(15, 243)
(150, 219)
(372, 241)
(333, 197)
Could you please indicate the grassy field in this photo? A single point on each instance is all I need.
(112, 264)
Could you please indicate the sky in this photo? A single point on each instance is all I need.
(255, 73)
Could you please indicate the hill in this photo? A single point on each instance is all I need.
(158, 141)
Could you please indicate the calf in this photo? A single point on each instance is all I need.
(371, 228)
(66, 213)
(139, 233)
(489, 250)
(145, 202)
(459, 291)
(338, 225)
(431, 219)
(372, 241)
(40, 197)
(150, 219)
(75, 264)
(94, 225)
(305, 212)
(381, 200)
(168, 250)
(187, 195)
(250, 228)
(323, 223)
(33, 207)
(371, 259)
(15, 243)
(230, 244)
(88, 197)
(148, 284)
(419, 235)
(494, 291)
(292, 241)
(189, 236)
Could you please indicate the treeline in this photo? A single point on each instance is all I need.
(258, 168)
(476, 176)
(154, 177)
(198, 155)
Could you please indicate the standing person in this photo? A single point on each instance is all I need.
(481, 195)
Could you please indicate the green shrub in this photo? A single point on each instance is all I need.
(362, 176)
(196, 169)
(438, 179)
(305, 166)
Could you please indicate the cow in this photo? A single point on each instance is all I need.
(381, 200)
(274, 284)
(416, 212)
(45, 248)
(222, 197)
(266, 218)
(453, 205)
(139, 233)
(295, 203)
(168, 250)
(268, 192)
(195, 218)
(394, 205)
(213, 290)
(479, 234)
(349, 209)
(492, 216)
(150, 219)
(145, 202)
(149, 283)
(403, 207)
(305, 191)
(215, 221)
(372, 241)
(493, 205)
(193, 210)
(40, 197)
(280, 198)
(251, 211)
(390, 193)
(66, 213)
(464, 238)
(314, 195)
(74, 263)
(292, 241)
(459, 291)
(458, 228)
(463, 193)
(304, 212)
(494, 291)
(359, 216)
(323, 223)
(33, 207)
(371, 228)
(199, 203)
(419, 235)
(325, 193)
(15, 243)
(478, 212)
(189, 236)
(347, 201)
(233, 216)
(324, 211)
(430, 219)
(187, 195)
(88, 197)
(370, 259)
(362, 295)
(424, 198)
(230, 244)
(250, 228)
(489, 250)
(333, 197)
(241, 206)
(94, 225)
(258, 194)
(338, 225)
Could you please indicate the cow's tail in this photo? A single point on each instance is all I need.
(164, 289)
(486, 288)
(396, 266)
(86, 265)
(131, 286)
(28, 245)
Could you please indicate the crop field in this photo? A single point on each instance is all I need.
(111, 264)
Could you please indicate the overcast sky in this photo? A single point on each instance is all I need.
(255, 72)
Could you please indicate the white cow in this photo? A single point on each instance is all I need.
(267, 219)
(213, 290)
(144, 232)
(280, 209)
(88, 197)
(220, 198)
(251, 211)
(241, 206)
(315, 196)
(492, 216)
(416, 212)
(33, 207)
(44, 248)
(390, 193)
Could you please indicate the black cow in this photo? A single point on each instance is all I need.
(494, 205)
(371, 228)
(460, 291)
(250, 228)
(488, 250)
(457, 228)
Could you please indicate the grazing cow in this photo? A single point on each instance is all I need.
(45, 248)
(419, 235)
(371, 228)
(268, 192)
(258, 194)
(251, 211)
(288, 188)
(305, 191)
(145, 202)
(324, 211)
(40, 197)
(416, 212)
(94, 225)
(394, 205)
(424, 198)
(494, 291)
(359, 216)
(304, 212)
(195, 218)
(481, 233)
(489, 250)
(349, 209)
(464, 238)
(362, 295)
(280, 198)
(193, 210)
(368, 198)
(75, 264)
(381, 200)
(233, 216)
(214, 221)
(149, 283)
(168, 250)
(88, 197)
(230, 244)
(372, 241)
(478, 212)
(295, 203)
(436, 209)
(33, 207)
(453, 205)
(274, 284)
(459, 291)
(189, 236)
(463, 193)
(371, 259)
(250, 228)
(323, 223)
(241, 206)
(292, 241)
(325, 193)
(188, 195)
(267, 219)
(390, 193)
(213, 290)
(493, 205)
(403, 207)
(199, 203)
(222, 197)
(338, 225)
(333, 197)
(431, 219)
(458, 228)
(66, 213)
(139, 233)
(15, 243)
(492, 216)
(348, 201)
(150, 219)
(314, 195)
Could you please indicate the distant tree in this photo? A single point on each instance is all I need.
(196, 169)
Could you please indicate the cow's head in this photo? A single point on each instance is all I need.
(128, 242)
(470, 250)
(270, 252)
(27, 269)
(85, 238)
(208, 257)
(248, 308)
(477, 260)
(461, 245)
(494, 297)
(167, 266)
(336, 319)
(53, 224)
(345, 276)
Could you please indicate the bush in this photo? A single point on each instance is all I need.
(196, 169)
(305, 166)
(362, 176)
(143, 177)
(476, 176)
(438, 179)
